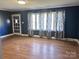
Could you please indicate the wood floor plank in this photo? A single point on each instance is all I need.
(17, 47)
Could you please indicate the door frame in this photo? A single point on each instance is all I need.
(19, 15)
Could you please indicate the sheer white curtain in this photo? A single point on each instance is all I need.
(49, 24)
(43, 23)
(30, 23)
(60, 24)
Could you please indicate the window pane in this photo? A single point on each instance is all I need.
(52, 23)
(39, 21)
(16, 21)
(60, 22)
(33, 21)
(37, 18)
(45, 20)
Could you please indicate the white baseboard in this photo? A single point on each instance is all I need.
(76, 40)
(24, 35)
(6, 35)
(71, 39)
(36, 36)
(67, 39)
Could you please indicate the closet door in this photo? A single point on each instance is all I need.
(16, 23)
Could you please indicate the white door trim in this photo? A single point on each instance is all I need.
(19, 22)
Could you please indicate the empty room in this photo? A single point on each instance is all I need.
(39, 29)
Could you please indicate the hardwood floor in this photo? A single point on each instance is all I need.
(17, 47)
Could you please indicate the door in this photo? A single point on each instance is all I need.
(16, 23)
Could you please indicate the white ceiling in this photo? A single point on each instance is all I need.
(12, 5)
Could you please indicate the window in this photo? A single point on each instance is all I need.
(47, 21)
(52, 22)
(37, 21)
(33, 21)
(60, 21)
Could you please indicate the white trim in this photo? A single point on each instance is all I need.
(6, 35)
(71, 39)
(15, 14)
(24, 35)
(66, 39)
(16, 33)
(76, 40)
(53, 37)
(20, 23)
(36, 36)
(19, 15)
(12, 24)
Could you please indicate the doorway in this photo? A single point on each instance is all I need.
(16, 23)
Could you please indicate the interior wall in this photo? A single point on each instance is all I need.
(71, 27)
(24, 26)
(71, 20)
(78, 23)
(5, 27)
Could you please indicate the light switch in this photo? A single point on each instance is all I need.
(8, 21)
(22, 22)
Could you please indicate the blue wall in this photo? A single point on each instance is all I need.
(24, 19)
(5, 28)
(77, 23)
(71, 20)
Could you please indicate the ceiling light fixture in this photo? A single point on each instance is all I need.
(21, 1)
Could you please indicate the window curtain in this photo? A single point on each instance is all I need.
(30, 28)
(60, 24)
(41, 25)
(51, 24)
(43, 22)
(48, 24)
